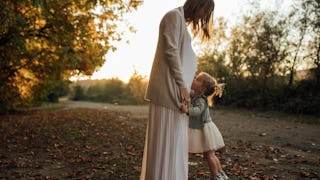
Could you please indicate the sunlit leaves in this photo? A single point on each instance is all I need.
(135, 3)
(56, 39)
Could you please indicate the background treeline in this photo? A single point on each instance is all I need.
(111, 90)
(270, 60)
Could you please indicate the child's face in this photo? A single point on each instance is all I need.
(197, 84)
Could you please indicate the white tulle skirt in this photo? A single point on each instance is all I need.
(208, 138)
(165, 154)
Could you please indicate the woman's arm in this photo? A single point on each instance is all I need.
(171, 26)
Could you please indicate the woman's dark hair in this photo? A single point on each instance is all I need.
(199, 13)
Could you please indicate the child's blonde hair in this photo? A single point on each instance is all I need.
(211, 86)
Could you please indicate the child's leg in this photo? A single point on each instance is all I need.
(212, 162)
(214, 165)
(217, 162)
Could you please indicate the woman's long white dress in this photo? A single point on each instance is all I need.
(166, 146)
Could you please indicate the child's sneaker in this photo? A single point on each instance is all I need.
(219, 176)
(224, 175)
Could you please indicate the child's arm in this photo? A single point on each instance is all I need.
(196, 109)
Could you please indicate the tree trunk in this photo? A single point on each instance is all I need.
(303, 32)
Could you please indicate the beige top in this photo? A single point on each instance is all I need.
(166, 77)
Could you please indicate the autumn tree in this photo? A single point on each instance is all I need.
(265, 34)
(238, 49)
(45, 41)
(311, 8)
(212, 58)
(297, 22)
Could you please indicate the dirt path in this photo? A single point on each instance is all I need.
(261, 127)
(136, 111)
(85, 140)
(275, 140)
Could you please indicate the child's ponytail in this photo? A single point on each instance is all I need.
(218, 91)
(212, 88)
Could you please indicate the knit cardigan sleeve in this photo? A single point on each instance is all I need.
(171, 25)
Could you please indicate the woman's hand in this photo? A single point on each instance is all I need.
(185, 97)
(184, 108)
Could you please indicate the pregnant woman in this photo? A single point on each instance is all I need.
(166, 146)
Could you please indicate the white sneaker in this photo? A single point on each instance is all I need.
(219, 176)
(224, 175)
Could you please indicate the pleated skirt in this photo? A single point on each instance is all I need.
(165, 154)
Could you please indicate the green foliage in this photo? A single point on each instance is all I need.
(112, 90)
(95, 92)
(137, 85)
(256, 62)
(57, 89)
(214, 65)
(42, 42)
(78, 93)
(304, 97)
(262, 36)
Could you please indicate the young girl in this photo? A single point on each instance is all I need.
(204, 136)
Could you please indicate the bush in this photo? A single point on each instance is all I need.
(137, 86)
(303, 98)
(57, 89)
(310, 105)
(78, 93)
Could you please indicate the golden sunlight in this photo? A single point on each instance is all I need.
(135, 51)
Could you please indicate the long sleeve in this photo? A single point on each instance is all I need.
(168, 73)
(171, 33)
(197, 108)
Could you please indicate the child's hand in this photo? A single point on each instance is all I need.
(184, 108)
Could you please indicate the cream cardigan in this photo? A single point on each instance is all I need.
(166, 78)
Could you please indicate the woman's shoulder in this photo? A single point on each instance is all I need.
(173, 13)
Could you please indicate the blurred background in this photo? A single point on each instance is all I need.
(267, 52)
